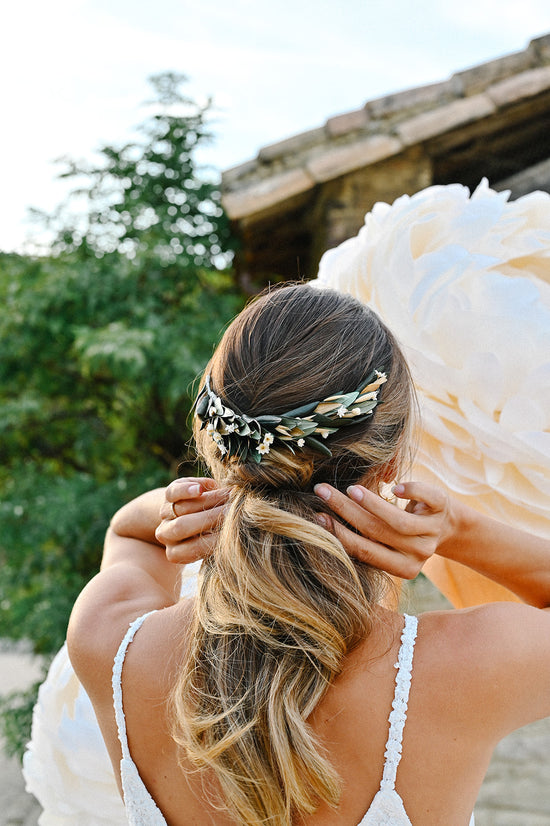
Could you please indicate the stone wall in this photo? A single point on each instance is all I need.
(340, 207)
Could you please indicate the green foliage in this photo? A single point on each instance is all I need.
(15, 719)
(101, 341)
(145, 199)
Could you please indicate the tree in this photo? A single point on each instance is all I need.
(100, 343)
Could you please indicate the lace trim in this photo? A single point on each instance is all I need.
(398, 715)
(117, 682)
(141, 809)
(386, 809)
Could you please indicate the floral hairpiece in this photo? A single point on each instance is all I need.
(249, 438)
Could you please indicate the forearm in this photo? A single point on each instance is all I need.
(139, 518)
(130, 540)
(515, 559)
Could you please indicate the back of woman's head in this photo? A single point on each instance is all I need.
(295, 345)
(280, 602)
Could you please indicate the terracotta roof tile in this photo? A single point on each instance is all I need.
(383, 127)
(348, 122)
(445, 118)
(302, 140)
(524, 85)
(260, 195)
(338, 160)
(416, 99)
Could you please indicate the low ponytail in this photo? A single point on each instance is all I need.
(280, 602)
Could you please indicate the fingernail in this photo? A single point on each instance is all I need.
(398, 489)
(322, 520)
(194, 490)
(323, 491)
(354, 492)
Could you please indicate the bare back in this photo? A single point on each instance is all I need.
(444, 755)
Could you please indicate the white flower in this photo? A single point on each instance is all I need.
(342, 410)
(268, 439)
(465, 282)
(263, 448)
(300, 442)
(356, 411)
(212, 411)
(210, 428)
(216, 436)
(230, 428)
(222, 448)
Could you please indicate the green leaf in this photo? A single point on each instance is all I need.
(202, 406)
(300, 412)
(318, 445)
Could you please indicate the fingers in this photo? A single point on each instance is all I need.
(198, 503)
(189, 525)
(188, 487)
(371, 515)
(388, 537)
(404, 566)
(422, 496)
(192, 549)
(190, 515)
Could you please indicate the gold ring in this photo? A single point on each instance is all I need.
(173, 513)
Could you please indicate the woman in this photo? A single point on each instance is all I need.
(266, 698)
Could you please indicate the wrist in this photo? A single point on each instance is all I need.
(139, 518)
(459, 522)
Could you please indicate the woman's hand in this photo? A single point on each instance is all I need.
(394, 540)
(190, 513)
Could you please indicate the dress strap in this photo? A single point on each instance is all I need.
(117, 681)
(398, 715)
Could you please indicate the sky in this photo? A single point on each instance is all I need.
(74, 72)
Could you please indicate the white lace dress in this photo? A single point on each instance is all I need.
(387, 808)
(139, 809)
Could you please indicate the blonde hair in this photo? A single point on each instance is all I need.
(280, 602)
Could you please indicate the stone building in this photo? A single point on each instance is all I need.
(302, 195)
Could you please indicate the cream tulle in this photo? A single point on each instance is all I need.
(464, 283)
(66, 765)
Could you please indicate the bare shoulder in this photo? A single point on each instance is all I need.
(101, 616)
(492, 630)
(492, 660)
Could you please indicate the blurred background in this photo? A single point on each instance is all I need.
(118, 120)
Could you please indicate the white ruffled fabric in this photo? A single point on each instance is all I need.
(464, 283)
(66, 765)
